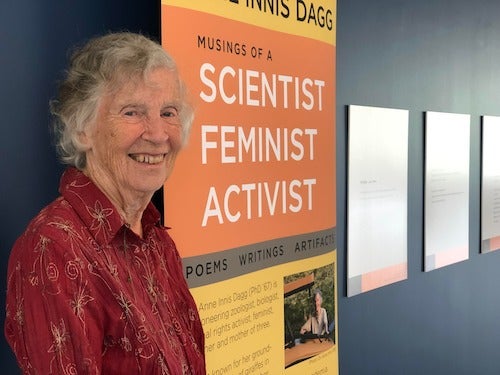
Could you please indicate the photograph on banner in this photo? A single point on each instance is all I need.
(309, 314)
(490, 184)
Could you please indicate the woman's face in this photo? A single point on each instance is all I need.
(318, 301)
(133, 144)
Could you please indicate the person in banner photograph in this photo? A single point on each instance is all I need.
(308, 302)
(95, 283)
(317, 323)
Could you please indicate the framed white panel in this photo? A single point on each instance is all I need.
(377, 197)
(447, 150)
(490, 185)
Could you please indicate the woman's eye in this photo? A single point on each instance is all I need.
(171, 116)
(131, 113)
(171, 112)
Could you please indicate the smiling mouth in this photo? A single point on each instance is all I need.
(148, 159)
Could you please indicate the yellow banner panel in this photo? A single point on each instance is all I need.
(251, 317)
(312, 19)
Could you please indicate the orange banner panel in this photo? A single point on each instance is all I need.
(260, 159)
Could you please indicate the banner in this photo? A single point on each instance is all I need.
(251, 202)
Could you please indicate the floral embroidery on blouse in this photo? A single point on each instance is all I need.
(86, 295)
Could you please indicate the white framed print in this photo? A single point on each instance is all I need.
(490, 184)
(377, 194)
(446, 206)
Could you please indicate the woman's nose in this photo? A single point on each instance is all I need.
(156, 130)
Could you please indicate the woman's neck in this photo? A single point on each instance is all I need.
(129, 206)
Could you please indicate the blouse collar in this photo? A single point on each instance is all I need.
(95, 209)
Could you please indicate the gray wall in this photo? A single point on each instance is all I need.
(418, 55)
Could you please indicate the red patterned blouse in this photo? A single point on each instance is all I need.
(87, 296)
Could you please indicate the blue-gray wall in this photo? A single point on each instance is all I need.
(35, 36)
(418, 55)
(440, 55)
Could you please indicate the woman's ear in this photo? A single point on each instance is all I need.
(85, 138)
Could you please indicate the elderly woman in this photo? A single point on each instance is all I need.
(317, 323)
(95, 284)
